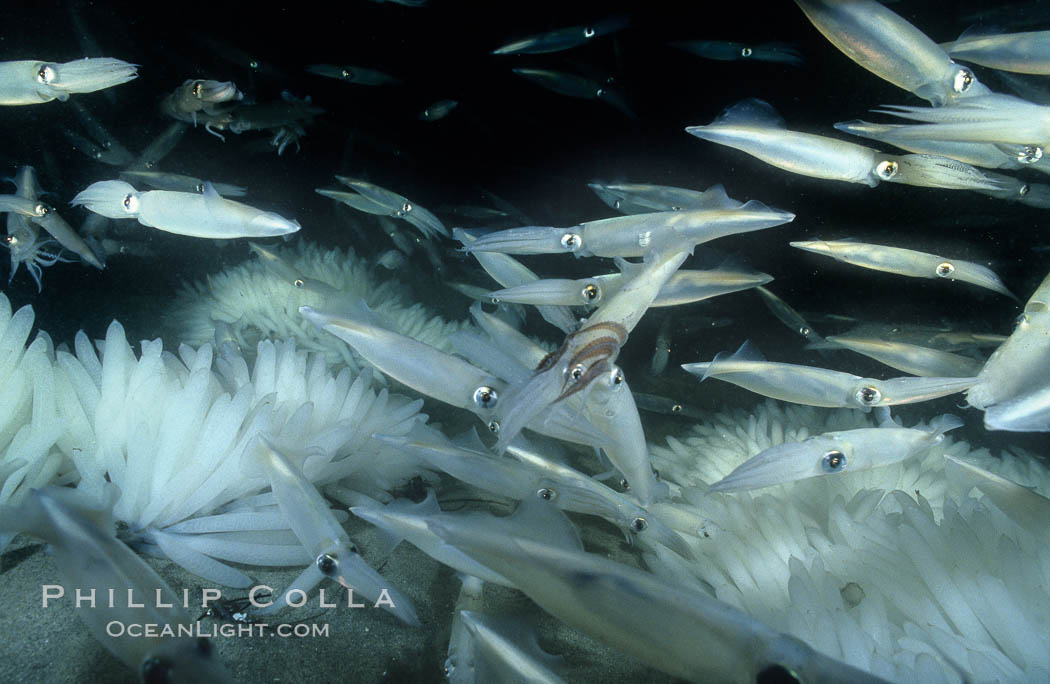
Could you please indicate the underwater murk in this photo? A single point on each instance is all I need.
(421, 340)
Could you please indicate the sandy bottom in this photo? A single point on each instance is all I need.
(362, 645)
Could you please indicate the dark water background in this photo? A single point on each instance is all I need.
(534, 148)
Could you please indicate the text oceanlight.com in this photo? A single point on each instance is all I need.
(116, 628)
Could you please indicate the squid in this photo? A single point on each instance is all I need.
(673, 628)
(314, 524)
(993, 118)
(589, 352)
(835, 452)
(434, 373)
(642, 198)
(684, 287)
(881, 41)
(89, 557)
(754, 127)
(573, 85)
(206, 215)
(906, 262)
(510, 649)
(563, 38)
(729, 51)
(29, 82)
(984, 154)
(352, 74)
(911, 358)
(508, 272)
(818, 386)
(197, 95)
(1023, 53)
(1008, 374)
(634, 235)
(787, 315)
(161, 180)
(372, 199)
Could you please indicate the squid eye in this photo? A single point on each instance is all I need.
(485, 397)
(547, 494)
(746, 52)
(1023, 319)
(624, 484)
(200, 187)
(588, 32)
(1030, 154)
(46, 74)
(577, 371)
(253, 65)
(1023, 190)
(346, 73)
(298, 282)
(131, 204)
(616, 377)
(41, 210)
(591, 292)
(963, 80)
(196, 89)
(886, 169)
(945, 269)
(406, 207)
(571, 241)
(833, 462)
(868, 395)
(494, 427)
(327, 564)
(639, 524)
(677, 408)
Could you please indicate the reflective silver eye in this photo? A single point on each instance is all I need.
(886, 169)
(1023, 190)
(964, 78)
(298, 282)
(196, 89)
(591, 293)
(588, 32)
(406, 207)
(346, 73)
(677, 408)
(131, 204)
(327, 564)
(485, 397)
(494, 427)
(254, 64)
(616, 377)
(868, 395)
(1023, 319)
(45, 74)
(571, 241)
(746, 52)
(200, 187)
(833, 462)
(804, 331)
(945, 269)
(1030, 154)
(41, 209)
(547, 494)
(639, 524)
(577, 371)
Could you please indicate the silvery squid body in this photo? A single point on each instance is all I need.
(1012, 386)
(754, 127)
(1024, 53)
(882, 42)
(819, 386)
(31, 81)
(906, 262)
(834, 452)
(206, 215)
